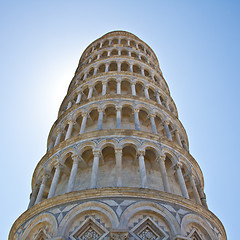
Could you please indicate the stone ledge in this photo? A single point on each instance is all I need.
(90, 194)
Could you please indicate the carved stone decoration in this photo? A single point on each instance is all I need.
(40, 236)
(90, 229)
(119, 235)
(148, 230)
(195, 236)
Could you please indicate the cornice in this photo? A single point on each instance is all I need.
(91, 194)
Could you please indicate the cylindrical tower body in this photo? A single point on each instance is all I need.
(117, 164)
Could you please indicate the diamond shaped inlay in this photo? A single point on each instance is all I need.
(90, 229)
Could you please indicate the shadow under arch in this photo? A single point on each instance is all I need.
(161, 211)
(84, 208)
(44, 219)
(195, 220)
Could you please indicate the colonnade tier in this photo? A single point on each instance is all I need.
(118, 85)
(116, 51)
(112, 40)
(112, 113)
(129, 163)
(119, 65)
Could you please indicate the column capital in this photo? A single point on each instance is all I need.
(118, 107)
(136, 109)
(75, 158)
(90, 85)
(46, 175)
(152, 115)
(161, 158)
(118, 150)
(96, 152)
(146, 86)
(104, 81)
(133, 82)
(84, 114)
(69, 121)
(167, 121)
(141, 152)
(178, 165)
(100, 109)
(119, 80)
(59, 165)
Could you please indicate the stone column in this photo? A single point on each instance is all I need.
(153, 124)
(118, 156)
(184, 145)
(58, 137)
(95, 71)
(69, 105)
(55, 179)
(158, 98)
(79, 97)
(136, 118)
(90, 92)
(100, 118)
(131, 68)
(118, 86)
(166, 104)
(146, 92)
(42, 188)
(164, 174)
(94, 176)
(142, 169)
(194, 188)
(119, 115)
(202, 195)
(181, 180)
(104, 87)
(107, 67)
(73, 173)
(69, 131)
(133, 88)
(178, 138)
(34, 195)
(119, 67)
(83, 125)
(167, 130)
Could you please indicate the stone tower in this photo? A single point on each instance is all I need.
(117, 164)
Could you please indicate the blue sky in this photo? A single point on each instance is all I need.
(197, 45)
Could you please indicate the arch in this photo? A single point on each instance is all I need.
(124, 42)
(106, 142)
(106, 43)
(157, 209)
(113, 66)
(114, 52)
(101, 68)
(86, 146)
(84, 209)
(125, 67)
(201, 224)
(173, 157)
(115, 41)
(124, 52)
(136, 69)
(104, 54)
(38, 222)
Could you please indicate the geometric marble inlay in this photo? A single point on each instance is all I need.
(89, 230)
(148, 230)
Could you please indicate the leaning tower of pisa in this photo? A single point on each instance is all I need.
(117, 164)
